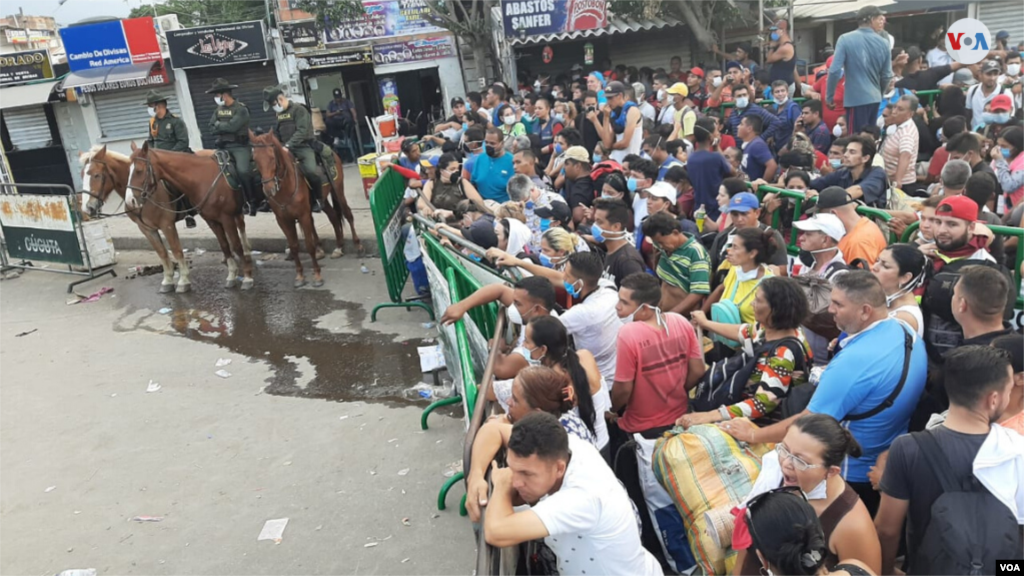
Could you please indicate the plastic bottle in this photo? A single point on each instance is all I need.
(699, 217)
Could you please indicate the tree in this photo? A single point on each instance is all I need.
(703, 18)
(193, 13)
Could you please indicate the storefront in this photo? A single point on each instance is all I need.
(237, 52)
(393, 60)
(28, 128)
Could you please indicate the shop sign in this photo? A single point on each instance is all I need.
(532, 17)
(25, 66)
(364, 56)
(39, 227)
(114, 43)
(158, 76)
(300, 35)
(413, 50)
(383, 18)
(21, 36)
(216, 45)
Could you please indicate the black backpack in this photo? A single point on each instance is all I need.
(969, 529)
(725, 382)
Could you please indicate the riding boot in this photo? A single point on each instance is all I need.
(252, 199)
(190, 222)
(315, 189)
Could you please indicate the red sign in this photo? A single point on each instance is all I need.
(143, 45)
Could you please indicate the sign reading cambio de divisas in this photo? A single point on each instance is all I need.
(113, 43)
(968, 41)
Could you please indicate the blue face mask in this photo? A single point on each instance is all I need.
(775, 36)
(558, 148)
(597, 233)
(836, 163)
(1005, 152)
(545, 261)
(570, 289)
(527, 117)
(545, 223)
(465, 125)
(474, 257)
(530, 204)
(631, 184)
(597, 158)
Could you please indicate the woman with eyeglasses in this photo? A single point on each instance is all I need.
(808, 461)
(788, 538)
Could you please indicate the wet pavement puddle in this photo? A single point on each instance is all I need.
(279, 325)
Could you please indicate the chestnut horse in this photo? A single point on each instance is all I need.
(288, 195)
(105, 171)
(199, 178)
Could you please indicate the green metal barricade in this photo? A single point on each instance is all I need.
(386, 209)
(1018, 233)
(483, 316)
(764, 104)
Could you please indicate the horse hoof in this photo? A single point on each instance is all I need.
(230, 283)
(359, 249)
(317, 283)
(289, 256)
(337, 253)
(166, 288)
(320, 254)
(248, 284)
(183, 288)
(299, 284)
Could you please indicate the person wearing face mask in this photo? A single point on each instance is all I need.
(1008, 163)
(294, 129)
(781, 54)
(746, 108)
(967, 147)
(748, 253)
(622, 132)
(857, 176)
(900, 147)
(591, 123)
(819, 259)
(787, 111)
(984, 92)
(800, 488)
(445, 190)
(683, 267)
(900, 269)
(546, 129)
(999, 118)
(508, 124)
(492, 171)
(967, 445)
(611, 217)
(1012, 78)
(166, 131)
(230, 127)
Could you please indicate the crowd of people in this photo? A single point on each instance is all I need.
(657, 296)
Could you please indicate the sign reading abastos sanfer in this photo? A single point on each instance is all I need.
(38, 227)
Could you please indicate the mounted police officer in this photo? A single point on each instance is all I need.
(295, 130)
(230, 124)
(167, 132)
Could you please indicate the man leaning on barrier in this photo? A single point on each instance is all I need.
(576, 504)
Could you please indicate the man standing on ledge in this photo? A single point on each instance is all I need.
(863, 56)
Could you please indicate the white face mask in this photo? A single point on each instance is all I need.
(717, 81)
(837, 130)
(509, 120)
(880, 122)
(661, 94)
(742, 102)
(742, 276)
(218, 100)
(890, 130)
(1012, 69)
(514, 316)
(152, 112)
(278, 108)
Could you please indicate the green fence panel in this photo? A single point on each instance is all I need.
(484, 316)
(763, 103)
(386, 209)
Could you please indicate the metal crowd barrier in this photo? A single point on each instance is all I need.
(926, 97)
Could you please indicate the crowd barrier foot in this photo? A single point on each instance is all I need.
(434, 406)
(406, 305)
(458, 477)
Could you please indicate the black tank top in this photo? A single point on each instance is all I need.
(783, 69)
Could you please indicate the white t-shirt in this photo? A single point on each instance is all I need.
(590, 521)
(936, 58)
(648, 111)
(594, 325)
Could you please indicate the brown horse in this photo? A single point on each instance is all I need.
(288, 195)
(105, 171)
(200, 179)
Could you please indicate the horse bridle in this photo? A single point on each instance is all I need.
(148, 184)
(277, 180)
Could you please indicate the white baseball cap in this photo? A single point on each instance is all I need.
(829, 224)
(663, 190)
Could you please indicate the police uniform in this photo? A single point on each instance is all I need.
(230, 124)
(294, 129)
(169, 132)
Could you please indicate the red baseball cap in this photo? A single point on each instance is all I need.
(960, 207)
(697, 72)
(1002, 103)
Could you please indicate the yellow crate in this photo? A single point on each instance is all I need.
(368, 166)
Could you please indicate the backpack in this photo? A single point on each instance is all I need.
(819, 296)
(725, 382)
(727, 311)
(600, 171)
(970, 529)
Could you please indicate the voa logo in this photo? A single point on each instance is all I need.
(967, 41)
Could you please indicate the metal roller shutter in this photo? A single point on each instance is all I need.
(1009, 16)
(251, 79)
(653, 48)
(28, 127)
(123, 114)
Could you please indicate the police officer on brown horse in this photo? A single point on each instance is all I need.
(230, 124)
(167, 132)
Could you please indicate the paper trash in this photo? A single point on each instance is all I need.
(431, 357)
(273, 530)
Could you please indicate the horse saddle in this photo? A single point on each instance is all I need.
(228, 168)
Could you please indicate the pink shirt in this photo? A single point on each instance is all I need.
(657, 363)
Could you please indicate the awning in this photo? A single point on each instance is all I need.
(108, 74)
(847, 9)
(26, 94)
(616, 25)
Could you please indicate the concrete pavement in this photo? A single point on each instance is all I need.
(217, 457)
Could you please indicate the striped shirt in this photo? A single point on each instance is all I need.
(688, 268)
(905, 139)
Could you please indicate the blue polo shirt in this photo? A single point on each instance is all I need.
(668, 163)
(872, 184)
(860, 377)
(491, 176)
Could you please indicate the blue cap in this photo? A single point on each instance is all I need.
(732, 64)
(743, 202)
(433, 160)
(599, 76)
(1002, 34)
